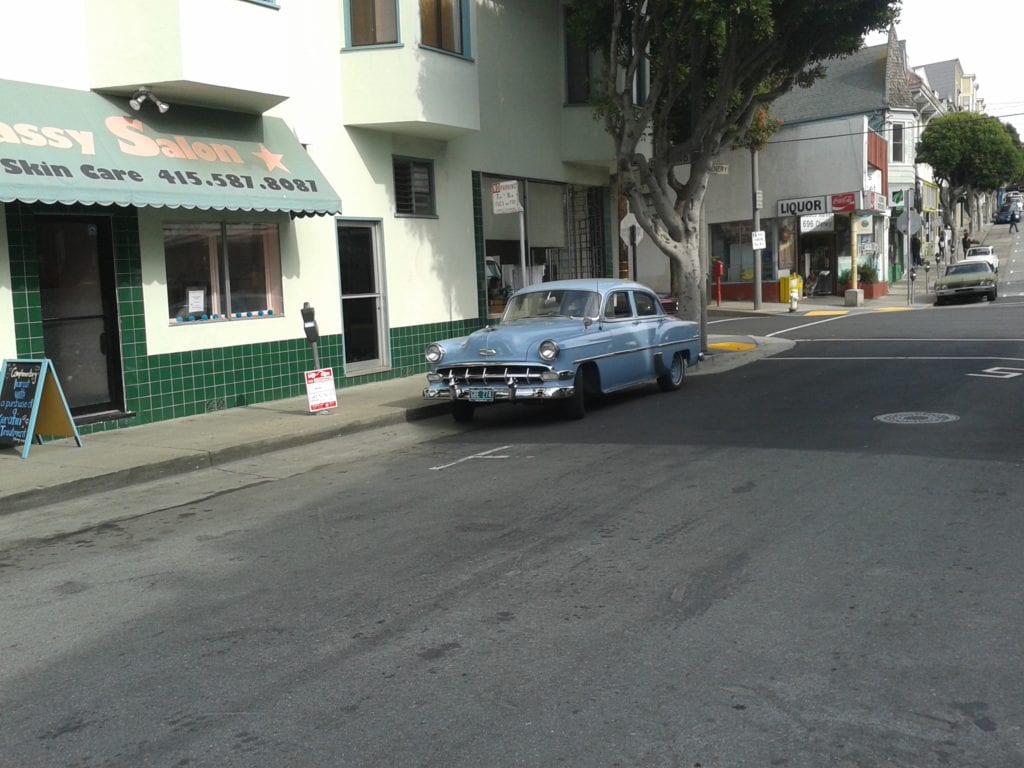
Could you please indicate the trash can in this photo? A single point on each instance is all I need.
(788, 284)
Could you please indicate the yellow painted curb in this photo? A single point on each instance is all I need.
(732, 346)
(824, 312)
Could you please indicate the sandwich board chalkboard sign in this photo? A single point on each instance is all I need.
(32, 404)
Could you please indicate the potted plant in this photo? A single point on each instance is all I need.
(843, 282)
(867, 279)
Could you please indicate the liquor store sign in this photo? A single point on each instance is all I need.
(837, 202)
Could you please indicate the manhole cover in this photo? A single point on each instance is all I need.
(916, 417)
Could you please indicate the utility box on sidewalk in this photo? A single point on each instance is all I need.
(788, 283)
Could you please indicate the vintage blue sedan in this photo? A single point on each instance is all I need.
(566, 340)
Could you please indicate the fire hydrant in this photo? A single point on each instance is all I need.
(794, 299)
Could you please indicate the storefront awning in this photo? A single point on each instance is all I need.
(66, 146)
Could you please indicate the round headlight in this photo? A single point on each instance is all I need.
(434, 353)
(548, 350)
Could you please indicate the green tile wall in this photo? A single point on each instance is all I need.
(159, 387)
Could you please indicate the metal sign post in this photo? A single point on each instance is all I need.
(505, 199)
(631, 235)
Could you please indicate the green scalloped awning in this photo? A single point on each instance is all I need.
(66, 146)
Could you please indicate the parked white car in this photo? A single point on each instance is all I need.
(983, 253)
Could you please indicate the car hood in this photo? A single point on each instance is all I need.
(514, 341)
(969, 278)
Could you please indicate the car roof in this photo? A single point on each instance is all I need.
(600, 284)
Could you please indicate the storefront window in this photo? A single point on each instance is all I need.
(731, 242)
(222, 271)
(787, 244)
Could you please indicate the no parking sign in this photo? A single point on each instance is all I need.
(320, 391)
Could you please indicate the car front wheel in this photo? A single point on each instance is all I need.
(673, 380)
(574, 407)
(992, 295)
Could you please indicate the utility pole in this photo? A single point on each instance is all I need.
(756, 203)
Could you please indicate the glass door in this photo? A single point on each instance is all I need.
(361, 298)
(79, 308)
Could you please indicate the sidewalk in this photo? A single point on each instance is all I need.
(110, 460)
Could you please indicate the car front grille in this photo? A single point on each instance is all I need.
(480, 374)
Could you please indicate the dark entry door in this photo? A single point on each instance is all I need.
(79, 307)
(361, 298)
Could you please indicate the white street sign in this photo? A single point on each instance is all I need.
(757, 240)
(505, 197)
(629, 220)
(910, 227)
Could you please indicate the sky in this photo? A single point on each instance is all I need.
(985, 35)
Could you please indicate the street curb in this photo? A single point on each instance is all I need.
(180, 465)
(19, 502)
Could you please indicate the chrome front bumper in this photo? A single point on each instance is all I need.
(500, 393)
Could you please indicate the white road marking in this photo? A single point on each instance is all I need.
(999, 373)
(481, 455)
(908, 338)
(808, 325)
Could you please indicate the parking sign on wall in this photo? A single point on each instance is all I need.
(505, 197)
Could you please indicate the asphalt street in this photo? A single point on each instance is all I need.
(808, 560)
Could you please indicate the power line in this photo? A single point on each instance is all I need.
(915, 125)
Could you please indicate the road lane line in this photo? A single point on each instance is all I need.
(481, 455)
(807, 325)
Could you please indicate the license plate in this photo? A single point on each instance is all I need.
(481, 395)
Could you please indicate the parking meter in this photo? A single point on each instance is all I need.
(312, 332)
(927, 269)
(309, 324)
(910, 294)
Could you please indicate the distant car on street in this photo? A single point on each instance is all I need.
(966, 280)
(983, 253)
(564, 341)
(1002, 216)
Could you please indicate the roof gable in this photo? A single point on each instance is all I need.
(873, 79)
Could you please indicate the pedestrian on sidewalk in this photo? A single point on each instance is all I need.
(967, 242)
(915, 249)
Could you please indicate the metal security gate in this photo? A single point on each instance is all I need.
(584, 216)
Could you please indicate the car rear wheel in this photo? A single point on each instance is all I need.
(673, 380)
(462, 411)
(574, 407)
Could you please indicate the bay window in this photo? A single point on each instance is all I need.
(441, 25)
(372, 22)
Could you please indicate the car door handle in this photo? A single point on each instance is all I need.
(103, 343)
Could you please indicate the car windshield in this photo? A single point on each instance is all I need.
(964, 269)
(555, 303)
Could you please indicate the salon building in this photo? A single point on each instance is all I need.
(396, 166)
